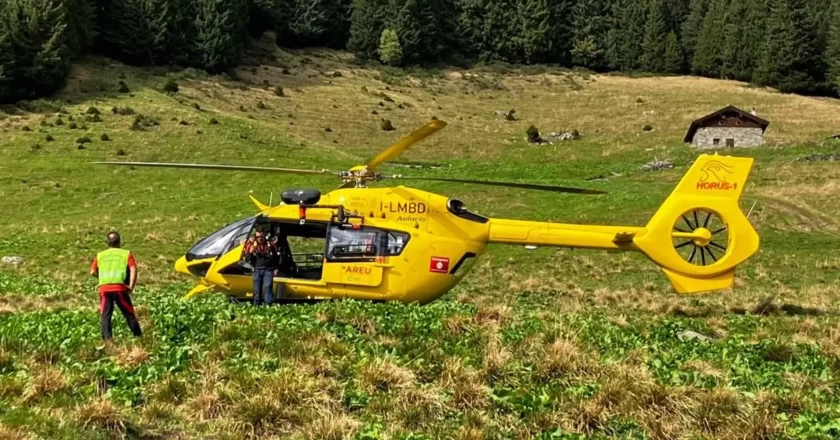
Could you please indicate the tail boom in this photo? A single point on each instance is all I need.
(712, 186)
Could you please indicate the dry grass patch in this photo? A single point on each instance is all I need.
(102, 413)
(717, 410)
(496, 357)
(561, 359)
(128, 356)
(46, 382)
(418, 407)
(208, 405)
(492, 315)
(704, 368)
(331, 426)
(279, 404)
(13, 433)
(466, 386)
(470, 433)
(385, 374)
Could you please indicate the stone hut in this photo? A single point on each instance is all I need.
(728, 127)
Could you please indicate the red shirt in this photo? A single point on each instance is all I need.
(113, 288)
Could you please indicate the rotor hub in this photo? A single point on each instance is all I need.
(702, 237)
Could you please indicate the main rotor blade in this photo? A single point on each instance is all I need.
(401, 145)
(551, 188)
(220, 167)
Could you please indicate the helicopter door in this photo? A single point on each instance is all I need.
(353, 256)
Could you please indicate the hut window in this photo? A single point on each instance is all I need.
(715, 141)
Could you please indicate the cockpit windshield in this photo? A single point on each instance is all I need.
(222, 240)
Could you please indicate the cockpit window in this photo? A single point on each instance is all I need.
(222, 240)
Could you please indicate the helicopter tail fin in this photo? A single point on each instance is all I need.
(700, 235)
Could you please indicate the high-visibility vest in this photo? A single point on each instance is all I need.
(113, 266)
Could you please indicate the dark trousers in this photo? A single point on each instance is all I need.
(263, 279)
(106, 310)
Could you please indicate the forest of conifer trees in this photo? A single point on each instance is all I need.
(792, 45)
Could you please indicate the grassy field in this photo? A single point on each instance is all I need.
(550, 343)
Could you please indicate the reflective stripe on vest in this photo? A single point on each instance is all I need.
(113, 266)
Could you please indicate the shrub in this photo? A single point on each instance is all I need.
(146, 121)
(390, 51)
(123, 111)
(533, 135)
(73, 126)
(49, 138)
(121, 152)
(278, 91)
(196, 106)
(81, 146)
(83, 140)
(214, 121)
(387, 125)
(328, 130)
(94, 118)
(261, 105)
(124, 88)
(92, 111)
(183, 122)
(26, 128)
(170, 87)
(136, 126)
(105, 137)
(35, 147)
(647, 128)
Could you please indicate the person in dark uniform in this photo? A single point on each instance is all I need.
(262, 255)
(116, 271)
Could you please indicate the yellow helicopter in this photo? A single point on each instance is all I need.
(405, 244)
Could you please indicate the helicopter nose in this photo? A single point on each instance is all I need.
(181, 266)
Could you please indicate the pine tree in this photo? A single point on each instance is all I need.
(791, 58)
(833, 48)
(490, 28)
(35, 58)
(390, 51)
(420, 30)
(366, 25)
(692, 26)
(534, 34)
(126, 31)
(589, 33)
(170, 29)
(707, 56)
(735, 64)
(673, 61)
(220, 29)
(656, 33)
(630, 34)
(81, 25)
(315, 23)
(7, 59)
